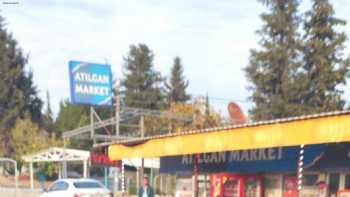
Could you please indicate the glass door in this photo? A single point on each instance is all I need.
(251, 188)
(230, 187)
(290, 187)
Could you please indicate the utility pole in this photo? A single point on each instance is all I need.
(91, 122)
(142, 129)
(142, 125)
(117, 109)
(117, 134)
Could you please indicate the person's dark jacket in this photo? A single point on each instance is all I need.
(149, 191)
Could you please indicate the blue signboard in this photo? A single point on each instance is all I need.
(244, 161)
(336, 156)
(90, 83)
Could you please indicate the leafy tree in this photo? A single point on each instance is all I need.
(199, 114)
(272, 68)
(74, 116)
(27, 138)
(324, 67)
(142, 82)
(71, 117)
(18, 94)
(176, 87)
(202, 114)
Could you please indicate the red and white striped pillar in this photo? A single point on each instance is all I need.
(300, 168)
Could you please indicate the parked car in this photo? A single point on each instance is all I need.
(77, 188)
(74, 175)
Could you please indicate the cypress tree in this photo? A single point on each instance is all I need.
(272, 68)
(176, 87)
(142, 81)
(323, 63)
(18, 95)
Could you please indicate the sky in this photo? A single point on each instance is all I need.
(213, 39)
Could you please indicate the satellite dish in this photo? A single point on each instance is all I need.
(236, 114)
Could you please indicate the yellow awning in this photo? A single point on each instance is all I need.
(329, 128)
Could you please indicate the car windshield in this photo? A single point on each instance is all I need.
(87, 185)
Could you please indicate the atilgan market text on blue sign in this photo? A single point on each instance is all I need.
(90, 83)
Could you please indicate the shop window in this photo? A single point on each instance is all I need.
(271, 182)
(231, 188)
(251, 188)
(272, 186)
(290, 186)
(333, 183)
(310, 179)
(347, 181)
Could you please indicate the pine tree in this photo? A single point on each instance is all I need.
(207, 111)
(18, 95)
(272, 68)
(142, 82)
(323, 62)
(176, 88)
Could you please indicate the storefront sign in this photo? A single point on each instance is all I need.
(257, 160)
(90, 83)
(245, 155)
(101, 159)
(336, 156)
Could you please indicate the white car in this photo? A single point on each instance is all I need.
(77, 188)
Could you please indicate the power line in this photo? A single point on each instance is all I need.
(210, 98)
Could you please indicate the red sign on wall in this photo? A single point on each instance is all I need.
(101, 159)
(290, 186)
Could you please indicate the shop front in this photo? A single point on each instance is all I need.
(247, 173)
(105, 170)
(231, 185)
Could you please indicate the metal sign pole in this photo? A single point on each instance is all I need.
(92, 132)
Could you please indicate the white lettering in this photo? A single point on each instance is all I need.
(262, 155)
(91, 90)
(222, 157)
(213, 158)
(280, 153)
(271, 154)
(91, 77)
(253, 155)
(200, 158)
(234, 156)
(245, 155)
(186, 160)
(207, 158)
(77, 77)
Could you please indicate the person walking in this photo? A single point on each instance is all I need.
(146, 190)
